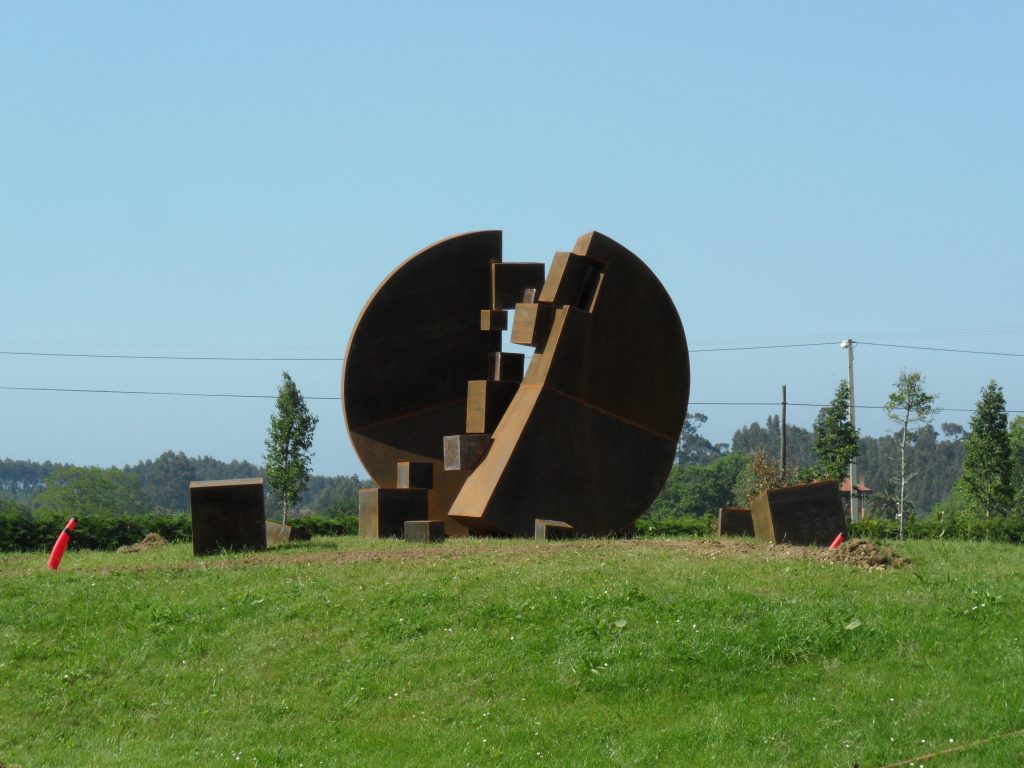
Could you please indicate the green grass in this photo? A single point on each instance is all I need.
(347, 652)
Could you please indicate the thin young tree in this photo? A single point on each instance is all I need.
(908, 406)
(987, 476)
(289, 440)
(835, 439)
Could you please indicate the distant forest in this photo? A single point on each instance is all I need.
(934, 461)
(162, 484)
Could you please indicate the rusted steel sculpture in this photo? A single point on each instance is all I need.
(586, 435)
(810, 513)
(227, 515)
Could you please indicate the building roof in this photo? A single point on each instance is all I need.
(844, 487)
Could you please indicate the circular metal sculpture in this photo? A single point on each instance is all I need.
(453, 430)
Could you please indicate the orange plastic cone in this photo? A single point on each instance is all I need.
(57, 553)
(837, 541)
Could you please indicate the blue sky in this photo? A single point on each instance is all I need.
(235, 179)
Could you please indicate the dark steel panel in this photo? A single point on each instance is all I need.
(227, 515)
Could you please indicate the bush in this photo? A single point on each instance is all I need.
(961, 527)
(314, 525)
(25, 532)
(22, 531)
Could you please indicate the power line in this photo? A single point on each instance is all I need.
(150, 392)
(765, 404)
(941, 349)
(768, 346)
(177, 357)
(229, 358)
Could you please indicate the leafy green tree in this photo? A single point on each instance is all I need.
(908, 405)
(288, 443)
(696, 490)
(835, 439)
(987, 475)
(91, 490)
(1017, 462)
(693, 447)
(934, 463)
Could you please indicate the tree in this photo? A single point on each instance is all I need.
(289, 440)
(835, 439)
(165, 480)
(908, 405)
(987, 472)
(952, 431)
(1016, 433)
(91, 490)
(693, 447)
(699, 489)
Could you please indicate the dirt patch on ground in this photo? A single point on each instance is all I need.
(864, 554)
(857, 553)
(149, 541)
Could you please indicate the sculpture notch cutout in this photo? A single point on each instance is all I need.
(585, 435)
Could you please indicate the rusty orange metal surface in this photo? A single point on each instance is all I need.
(589, 434)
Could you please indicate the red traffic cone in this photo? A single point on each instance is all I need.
(837, 541)
(60, 545)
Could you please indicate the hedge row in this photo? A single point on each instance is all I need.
(23, 532)
(964, 528)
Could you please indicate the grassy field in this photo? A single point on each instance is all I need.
(486, 653)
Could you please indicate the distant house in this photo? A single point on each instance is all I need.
(862, 491)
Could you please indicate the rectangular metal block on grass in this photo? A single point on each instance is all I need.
(227, 515)
(735, 521)
(552, 530)
(799, 514)
(424, 531)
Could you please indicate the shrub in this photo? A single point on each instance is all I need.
(314, 525)
(961, 527)
(101, 531)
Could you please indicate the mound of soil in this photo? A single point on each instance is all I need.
(864, 554)
(149, 541)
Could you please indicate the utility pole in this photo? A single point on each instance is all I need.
(782, 447)
(854, 495)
